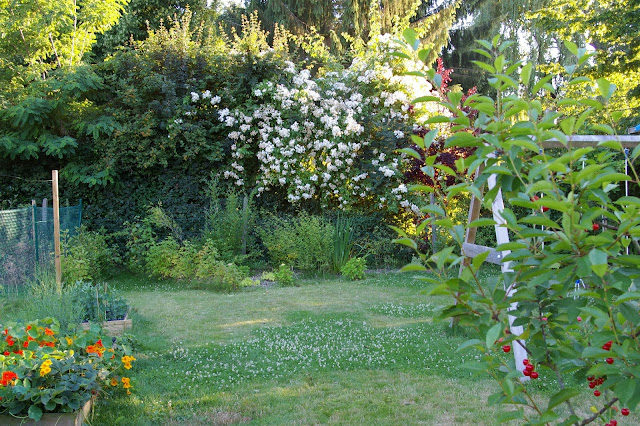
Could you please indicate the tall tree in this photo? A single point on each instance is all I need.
(40, 35)
(345, 23)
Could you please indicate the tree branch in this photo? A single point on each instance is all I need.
(596, 415)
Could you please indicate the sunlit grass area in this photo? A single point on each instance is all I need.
(328, 351)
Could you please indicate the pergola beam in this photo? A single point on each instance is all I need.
(593, 141)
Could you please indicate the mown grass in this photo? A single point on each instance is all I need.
(327, 352)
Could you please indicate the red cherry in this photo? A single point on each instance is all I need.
(529, 367)
(592, 385)
(525, 361)
(597, 393)
(613, 422)
(591, 378)
(506, 348)
(624, 411)
(579, 319)
(535, 198)
(595, 227)
(609, 360)
(526, 372)
(545, 208)
(534, 374)
(607, 345)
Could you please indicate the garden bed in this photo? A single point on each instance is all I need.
(113, 327)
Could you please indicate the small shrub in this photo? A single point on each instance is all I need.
(304, 242)
(139, 239)
(268, 276)
(85, 256)
(162, 258)
(354, 268)
(249, 282)
(283, 275)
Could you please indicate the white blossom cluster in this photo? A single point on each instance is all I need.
(332, 138)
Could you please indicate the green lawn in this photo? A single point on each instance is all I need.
(329, 351)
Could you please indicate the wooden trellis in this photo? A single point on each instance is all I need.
(470, 249)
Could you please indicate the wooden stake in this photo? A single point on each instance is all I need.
(56, 228)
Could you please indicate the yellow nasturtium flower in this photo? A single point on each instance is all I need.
(45, 368)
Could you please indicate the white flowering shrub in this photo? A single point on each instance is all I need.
(332, 138)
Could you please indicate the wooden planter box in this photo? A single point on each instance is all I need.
(50, 419)
(114, 327)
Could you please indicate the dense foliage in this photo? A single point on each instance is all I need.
(568, 292)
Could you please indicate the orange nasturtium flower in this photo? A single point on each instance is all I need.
(114, 382)
(8, 377)
(69, 341)
(48, 331)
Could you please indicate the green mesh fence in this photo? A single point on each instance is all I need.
(26, 240)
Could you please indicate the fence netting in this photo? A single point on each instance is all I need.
(26, 240)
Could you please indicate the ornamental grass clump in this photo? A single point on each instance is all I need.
(44, 371)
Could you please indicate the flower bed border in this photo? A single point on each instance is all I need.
(77, 418)
(113, 327)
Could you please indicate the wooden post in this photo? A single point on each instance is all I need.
(56, 228)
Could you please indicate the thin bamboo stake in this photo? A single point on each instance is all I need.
(56, 228)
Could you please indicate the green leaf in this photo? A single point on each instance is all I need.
(625, 391)
(483, 221)
(411, 38)
(508, 416)
(418, 140)
(571, 47)
(406, 242)
(599, 263)
(605, 87)
(493, 334)
(475, 365)
(632, 295)
(413, 267)
(35, 413)
(426, 99)
(479, 259)
(472, 342)
(421, 188)
(562, 396)
(411, 152)
(484, 66)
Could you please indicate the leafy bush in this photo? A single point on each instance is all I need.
(163, 259)
(305, 242)
(168, 259)
(571, 272)
(354, 268)
(283, 275)
(98, 302)
(85, 256)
